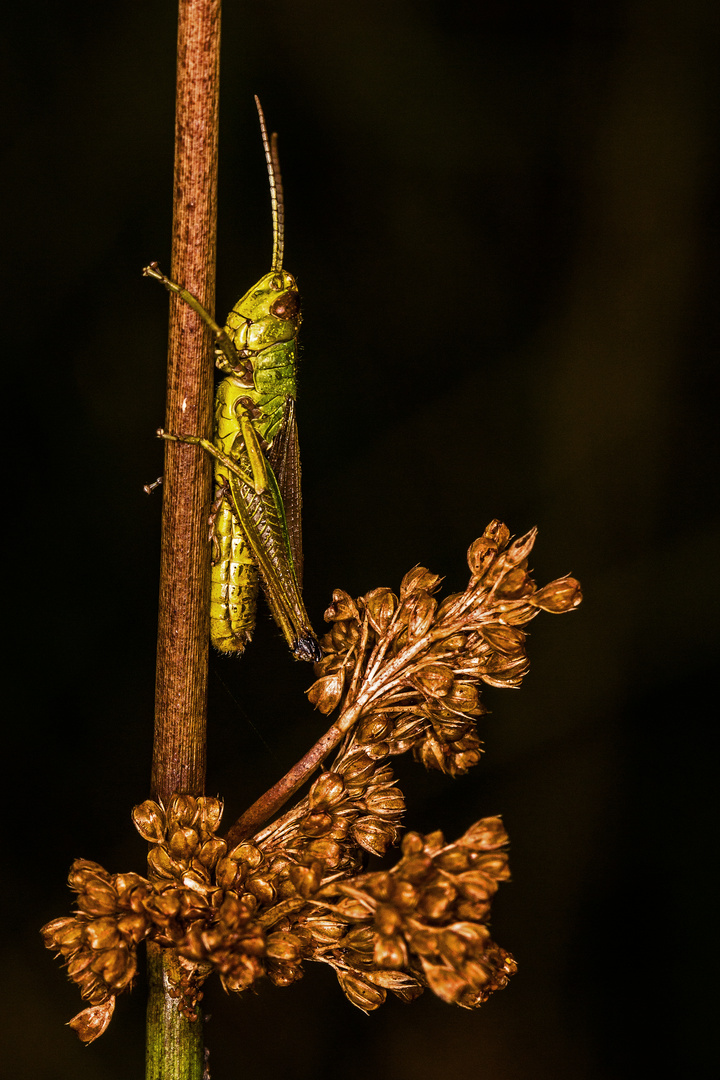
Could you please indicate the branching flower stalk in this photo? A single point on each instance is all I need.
(404, 673)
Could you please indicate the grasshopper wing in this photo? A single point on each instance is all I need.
(262, 517)
(285, 461)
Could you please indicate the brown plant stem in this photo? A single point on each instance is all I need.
(174, 1044)
(276, 796)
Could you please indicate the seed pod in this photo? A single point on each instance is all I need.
(412, 844)
(390, 952)
(262, 889)
(165, 904)
(381, 605)
(473, 910)
(343, 607)
(248, 853)
(161, 865)
(405, 896)
(282, 973)
(425, 942)
(458, 764)
(84, 871)
(183, 810)
(65, 931)
(102, 933)
(454, 861)
(115, 967)
(453, 947)
(476, 973)
(495, 865)
(374, 728)
(149, 820)
(381, 885)
(283, 946)
(361, 940)
(326, 692)
(134, 927)
(521, 548)
(317, 824)
(430, 753)
(326, 791)
(437, 901)
(211, 851)
(92, 1022)
(509, 673)
(463, 696)
(498, 532)
(385, 801)
(183, 843)
(357, 767)
(398, 982)
(99, 898)
(443, 981)
(306, 879)
(373, 834)
(559, 596)
(485, 835)
(329, 851)
(387, 920)
(230, 874)
(417, 579)
(449, 727)
(325, 929)
(514, 584)
(415, 868)
(92, 988)
(211, 811)
(360, 992)
(422, 616)
(379, 750)
(433, 679)
(481, 555)
(504, 639)
(353, 907)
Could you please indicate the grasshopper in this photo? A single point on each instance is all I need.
(255, 520)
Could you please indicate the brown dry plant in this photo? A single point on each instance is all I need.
(404, 673)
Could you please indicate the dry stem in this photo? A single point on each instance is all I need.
(174, 1045)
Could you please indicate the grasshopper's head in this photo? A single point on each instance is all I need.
(267, 314)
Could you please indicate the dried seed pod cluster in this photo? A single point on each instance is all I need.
(413, 669)
(99, 943)
(406, 673)
(421, 923)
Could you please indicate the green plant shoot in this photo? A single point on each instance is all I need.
(255, 521)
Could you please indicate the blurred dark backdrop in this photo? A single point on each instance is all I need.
(503, 220)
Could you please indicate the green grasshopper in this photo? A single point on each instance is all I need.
(255, 524)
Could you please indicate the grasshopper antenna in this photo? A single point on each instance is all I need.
(276, 190)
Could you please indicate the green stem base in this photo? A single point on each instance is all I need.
(174, 1048)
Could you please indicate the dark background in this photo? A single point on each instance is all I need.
(503, 220)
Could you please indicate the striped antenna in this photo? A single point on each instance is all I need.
(276, 190)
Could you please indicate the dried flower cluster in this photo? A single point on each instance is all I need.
(413, 668)
(406, 674)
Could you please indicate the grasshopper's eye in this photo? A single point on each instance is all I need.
(286, 306)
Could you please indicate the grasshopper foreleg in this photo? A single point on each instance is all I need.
(222, 338)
